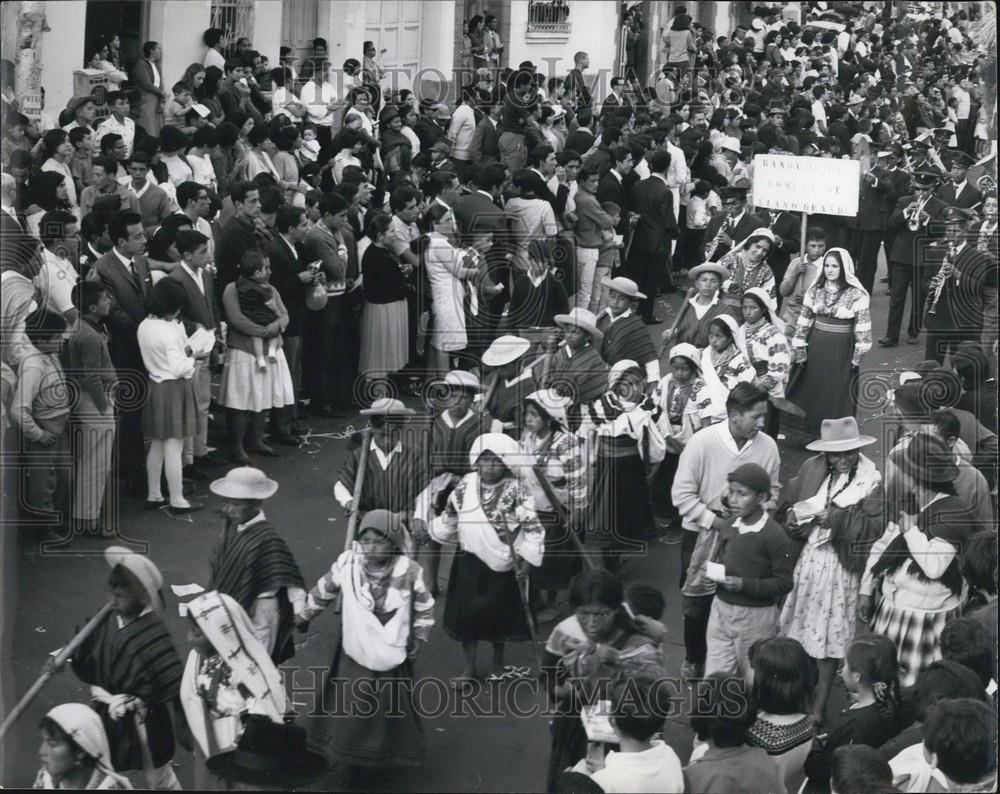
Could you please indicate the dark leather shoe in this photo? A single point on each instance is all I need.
(887, 342)
(154, 504)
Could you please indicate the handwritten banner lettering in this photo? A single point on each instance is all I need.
(806, 184)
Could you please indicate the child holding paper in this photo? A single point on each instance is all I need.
(753, 571)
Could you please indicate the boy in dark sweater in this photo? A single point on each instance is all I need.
(753, 569)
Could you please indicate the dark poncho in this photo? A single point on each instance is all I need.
(626, 338)
(395, 488)
(584, 377)
(254, 561)
(139, 660)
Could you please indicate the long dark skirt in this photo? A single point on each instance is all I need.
(368, 718)
(826, 390)
(561, 561)
(620, 501)
(482, 604)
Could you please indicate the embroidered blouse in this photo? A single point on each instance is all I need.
(745, 278)
(849, 304)
(731, 368)
(560, 457)
(681, 406)
(767, 348)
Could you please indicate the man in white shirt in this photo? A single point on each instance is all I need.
(444, 187)
(818, 109)
(195, 204)
(59, 232)
(461, 131)
(119, 121)
(320, 98)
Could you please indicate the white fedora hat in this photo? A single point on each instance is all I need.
(625, 286)
(244, 482)
(142, 568)
(582, 319)
(504, 350)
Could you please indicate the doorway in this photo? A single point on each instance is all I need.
(299, 23)
(126, 19)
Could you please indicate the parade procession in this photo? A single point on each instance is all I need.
(499, 395)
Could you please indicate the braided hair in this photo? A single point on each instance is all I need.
(875, 659)
(831, 470)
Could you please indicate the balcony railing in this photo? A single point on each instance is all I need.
(548, 16)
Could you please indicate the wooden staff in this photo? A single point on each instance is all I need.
(685, 305)
(355, 517)
(522, 592)
(563, 514)
(147, 755)
(61, 658)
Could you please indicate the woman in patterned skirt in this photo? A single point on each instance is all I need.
(913, 578)
(834, 331)
(829, 524)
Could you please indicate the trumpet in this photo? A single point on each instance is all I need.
(915, 216)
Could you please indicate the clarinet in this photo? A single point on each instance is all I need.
(714, 245)
(945, 272)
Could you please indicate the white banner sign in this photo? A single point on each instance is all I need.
(806, 184)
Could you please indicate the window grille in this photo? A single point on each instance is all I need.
(235, 17)
(548, 16)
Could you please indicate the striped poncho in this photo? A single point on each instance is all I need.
(626, 337)
(137, 659)
(257, 560)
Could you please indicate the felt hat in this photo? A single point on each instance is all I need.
(552, 402)
(688, 351)
(753, 476)
(269, 754)
(244, 482)
(710, 267)
(840, 435)
(387, 524)
(504, 350)
(387, 406)
(78, 102)
(625, 286)
(461, 379)
(142, 568)
(928, 459)
(582, 319)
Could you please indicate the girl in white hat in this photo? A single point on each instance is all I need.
(74, 752)
(488, 515)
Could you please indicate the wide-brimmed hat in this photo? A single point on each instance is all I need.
(387, 406)
(462, 379)
(928, 459)
(78, 102)
(840, 435)
(730, 144)
(552, 402)
(688, 351)
(504, 350)
(142, 568)
(625, 286)
(582, 319)
(269, 754)
(710, 267)
(244, 482)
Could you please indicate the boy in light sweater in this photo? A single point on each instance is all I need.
(699, 486)
(757, 566)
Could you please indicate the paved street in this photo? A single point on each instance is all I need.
(473, 753)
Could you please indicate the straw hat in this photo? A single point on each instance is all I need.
(928, 459)
(840, 435)
(386, 406)
(625, 286)
(461, 379)
(269, 754)
(582, 319)
(504, 350)
(244, 482)
(709, 267)
(142, 568)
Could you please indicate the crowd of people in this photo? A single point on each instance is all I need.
(189, 283)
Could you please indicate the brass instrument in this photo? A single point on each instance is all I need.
(915, 216)
(987, 183)
(936, 287)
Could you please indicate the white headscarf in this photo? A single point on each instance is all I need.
(83, 725)
(848, 267)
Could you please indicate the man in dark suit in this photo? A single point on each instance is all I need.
(198, 310)
(957, 315)
(477, 214)
(787, 230)
(152, 91)
(125, 275)
(581, 140)
(880, 190)
(731, 227)
(612, 186)
(908, 265)
(486, 138)
(291, 277)
(239, 234)
(649, 252)
(616, 100)
(958, 192)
